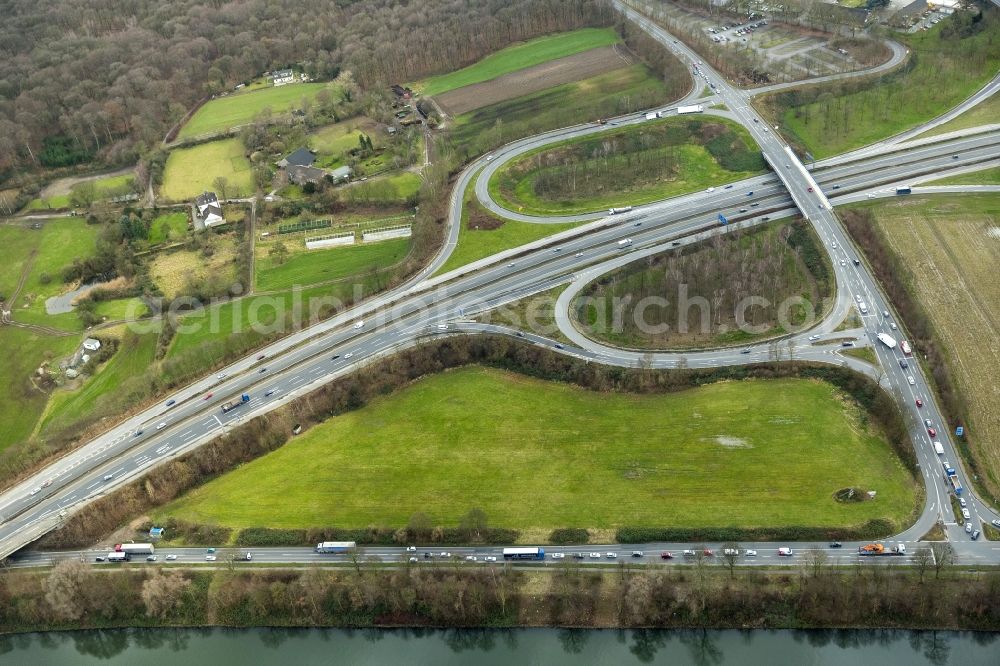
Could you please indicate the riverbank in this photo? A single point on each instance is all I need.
(76, 595)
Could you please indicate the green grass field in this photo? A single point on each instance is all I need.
(310, 267)
(520, 56)
(475, 244)
(984, 177)
(946, 71)
(105, 187)
(683, 168)
(23, 404)
(133, 358)
(986, 112)
(191, 171)
(611, 94)
(18, 243)
(241, 108)
(535, 454)
(168, 227)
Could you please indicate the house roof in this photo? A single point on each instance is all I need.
(301, 157)
(282, 73)
(304, 174)
(341, 172)
(205, 199)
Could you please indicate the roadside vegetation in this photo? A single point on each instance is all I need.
(984, 177)
(948, 63)
(520, 56)
(630, 166)
(483, 234)
(535, 314)
(191, 171)
(917, 246)
(711, 451)
(986, 112)
(697, 307)
(302, 267)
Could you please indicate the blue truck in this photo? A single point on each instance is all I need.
(233, 404)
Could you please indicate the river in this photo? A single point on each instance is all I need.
(552, 647)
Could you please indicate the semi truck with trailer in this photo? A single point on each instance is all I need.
(116, 556)
(876, 549)
(952, 475)
(135, 548)
(887, 340)
(233, 404)
(694, 108)
(336, 547)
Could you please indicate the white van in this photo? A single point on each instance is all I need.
(784, 551)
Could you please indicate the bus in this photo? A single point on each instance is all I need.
(335, 546)
(523, 553)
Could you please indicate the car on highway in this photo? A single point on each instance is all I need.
(445, 554)
(746, 350)
(810, 189)
(928, 423)
(210, 550)
(711, 189)
(688, 553)
(171, 558)
(262, 371)
(171, 403)
(578, 254)
(268, 394)
(750, 193)
(834, 245)
(836, 187)
(847, 343)
(843, 263)
(962, 502)
(637, 224)
(750, 553)
(558, 556)
(359, 324)
(261, 357)
(728, 187)
(411, 549)
(428, 556)
(510, 265)
(151, 558)
(637, 553)
(910, 380)
(904, 365)
(708, 552)
(836, 544)
(785, 551)
(348, 355)
(966, 514)
(490, 558)
(470, 558)
(578, 556)
(666, 555)
(611, 556)
(968, 528)
(892, 325)
(557, 249)
(99, 558)
(920, 403)
(413, 560)
(559, 345)
(207, 396)
(108, 477)
(37, 490)
(932, 432)
(954, 157)
(161, 425)
(995, 523)
(975, 535)
(595, 556)
(137, 433)
(210, 558)
(222, 375)
(813, 337)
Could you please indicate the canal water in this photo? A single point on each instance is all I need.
(551, 647)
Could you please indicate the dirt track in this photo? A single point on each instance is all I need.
(526, 81)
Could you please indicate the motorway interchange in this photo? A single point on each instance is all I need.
(431, 307)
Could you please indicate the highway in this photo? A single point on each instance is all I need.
(428, 307)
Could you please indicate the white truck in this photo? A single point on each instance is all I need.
(938, 449)
(694, 108)
(887, 340)
(616, 211)
(135, 548)
(652, 115)
(624, 243)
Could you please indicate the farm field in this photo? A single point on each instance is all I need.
(396, 189)
(311, 266)
(953, 241)
(631, 166)
(18, 243)
(946, 71)
(520, 56)
(172, 270)
(241, 108)
(705, 457)
(104, 188)
(579, 66)
(191, 171)
(778, 261)
(483, 234)
(614, 93)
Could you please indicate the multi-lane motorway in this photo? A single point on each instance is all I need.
(428, 307)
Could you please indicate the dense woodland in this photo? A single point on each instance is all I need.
(103, 80)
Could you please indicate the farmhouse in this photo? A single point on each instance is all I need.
(302, 157)
(283, 76)
(209, 209)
